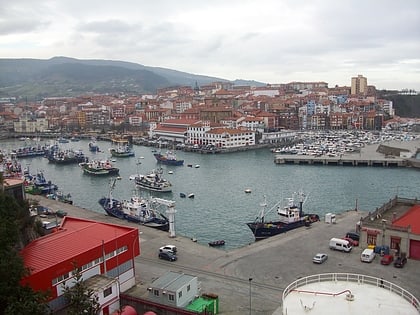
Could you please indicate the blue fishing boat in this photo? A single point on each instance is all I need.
(169, 158)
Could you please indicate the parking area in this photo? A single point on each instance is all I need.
(272, 264)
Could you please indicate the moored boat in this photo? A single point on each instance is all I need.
(122, 151)
(99, 168)
(138, 210)
(60, 196)
(217, 243)
(38, 184)
(66, 156)
(169, 158)
(291, 217)
(30, 151)
(152, 181)
(93, 146)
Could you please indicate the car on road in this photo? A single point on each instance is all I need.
(167, 256)
(168, 248)
(353, 242)
(387, 259)
(320, 258)
(400, 261)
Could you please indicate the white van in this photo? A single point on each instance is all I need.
(340, 244)
(368, 255)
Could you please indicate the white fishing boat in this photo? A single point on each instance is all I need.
(152, 181)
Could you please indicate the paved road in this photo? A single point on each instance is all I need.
(272, 264)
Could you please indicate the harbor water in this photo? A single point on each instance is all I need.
(221, 207)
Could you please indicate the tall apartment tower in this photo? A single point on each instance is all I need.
(359, 85)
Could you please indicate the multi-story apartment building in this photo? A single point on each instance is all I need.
(359, 85)
(29, 124)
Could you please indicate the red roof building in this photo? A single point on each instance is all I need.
(95, 248)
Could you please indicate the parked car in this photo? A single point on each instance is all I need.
(340, 244)
(60, 213)
(353, 242)
(400, 261)
(167, 256)
(353, 235)
(320, 258)
(368, 255)
(387, 259)
(168, 248)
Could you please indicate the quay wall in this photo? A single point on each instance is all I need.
(312, 160)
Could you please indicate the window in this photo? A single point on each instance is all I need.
(179, 294)
(156, 292)
(371, 239)
(171, 297)
(188, 288)
(395, 243)
(107, 291)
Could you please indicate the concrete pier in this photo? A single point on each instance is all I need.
(371, 155)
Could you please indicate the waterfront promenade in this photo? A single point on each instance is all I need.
(271, 264)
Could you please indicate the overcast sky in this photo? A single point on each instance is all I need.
(272, 41)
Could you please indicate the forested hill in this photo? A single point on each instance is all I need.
(405, 105)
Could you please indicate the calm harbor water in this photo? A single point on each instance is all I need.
(221, 208)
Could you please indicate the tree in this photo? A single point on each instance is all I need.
(14, 297)
(80, 298)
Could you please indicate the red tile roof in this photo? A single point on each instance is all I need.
(412, 218)
(75, 237)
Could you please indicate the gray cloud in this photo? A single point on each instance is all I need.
(268, 40)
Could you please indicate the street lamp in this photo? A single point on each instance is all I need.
(250, 280)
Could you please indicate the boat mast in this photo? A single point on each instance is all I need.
(263, 206)
(111, 189)
(301, 196)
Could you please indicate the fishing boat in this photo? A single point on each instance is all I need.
(30, 151)
(69, 156)
(93, 146)
(152, 181)
(217, 243)
(60, 196)
(291, 216)
(169, 158)
(122, 151)
(99, 168)
(136, 209)
(38, 184)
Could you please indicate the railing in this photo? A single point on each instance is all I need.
(348, 277)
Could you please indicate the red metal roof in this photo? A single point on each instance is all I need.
(412, 218)
(75, 237)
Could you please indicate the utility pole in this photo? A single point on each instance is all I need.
(250, 296)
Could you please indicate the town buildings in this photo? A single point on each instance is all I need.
(173, 113)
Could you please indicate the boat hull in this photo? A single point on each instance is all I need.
(114, 208)
(265, 230)
(166, 189)
(268, 229)
(115, 153)
(164, 160)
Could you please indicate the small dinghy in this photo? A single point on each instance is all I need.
(217, 243)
